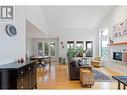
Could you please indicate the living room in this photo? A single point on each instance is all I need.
(45, 34)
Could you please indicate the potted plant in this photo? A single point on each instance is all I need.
(71, 53)
(60, 60)
(79, 52)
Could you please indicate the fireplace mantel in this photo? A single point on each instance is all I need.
(116, 44)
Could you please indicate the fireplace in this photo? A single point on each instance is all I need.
(117, 56)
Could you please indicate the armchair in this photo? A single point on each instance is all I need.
(96, 62)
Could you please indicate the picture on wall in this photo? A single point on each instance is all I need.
(120, 29)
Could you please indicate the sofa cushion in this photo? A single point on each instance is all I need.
(73, 64)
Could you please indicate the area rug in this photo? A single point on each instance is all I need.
(101, 77)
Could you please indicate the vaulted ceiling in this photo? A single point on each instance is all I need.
(75, 16)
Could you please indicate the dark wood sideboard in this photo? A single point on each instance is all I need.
(18, 75)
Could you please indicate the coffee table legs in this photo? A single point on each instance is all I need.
(124, 87)
(118, 85)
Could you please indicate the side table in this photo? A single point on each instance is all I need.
(86, 77)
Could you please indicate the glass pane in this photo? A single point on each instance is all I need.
(104, 43)
(89, 45)
(79, 48)
(70, 49)
(52, 48)
(104, 32)
(46, 46)
(89, 48)
(70, 44)
(104, 49)
(40, 49)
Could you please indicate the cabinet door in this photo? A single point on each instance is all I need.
(33, 77)
(22, 82)
(8, 79)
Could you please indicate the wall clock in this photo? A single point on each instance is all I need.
(11, 30)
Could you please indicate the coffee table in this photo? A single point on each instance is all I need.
(86, 76)
(121, 80)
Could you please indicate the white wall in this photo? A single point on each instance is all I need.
(36, 26)
(13, 48)
(36, 16)
(71, 34)
(29, 46)
(33, 31)
(117, 15)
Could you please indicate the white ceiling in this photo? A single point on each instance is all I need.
(75, 16)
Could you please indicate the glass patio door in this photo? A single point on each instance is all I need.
(46, 49)
(40, 49)
(52, 48)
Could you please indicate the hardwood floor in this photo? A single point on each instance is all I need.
(56, 77)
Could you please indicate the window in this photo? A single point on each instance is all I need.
(70, 44)
(40, 49)
(46, 48)
(79, 44)
(104, 49)
(52, 48)
(89, 48)
(79, 47)
(70, 49)
(104, 32)
(75, 49)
